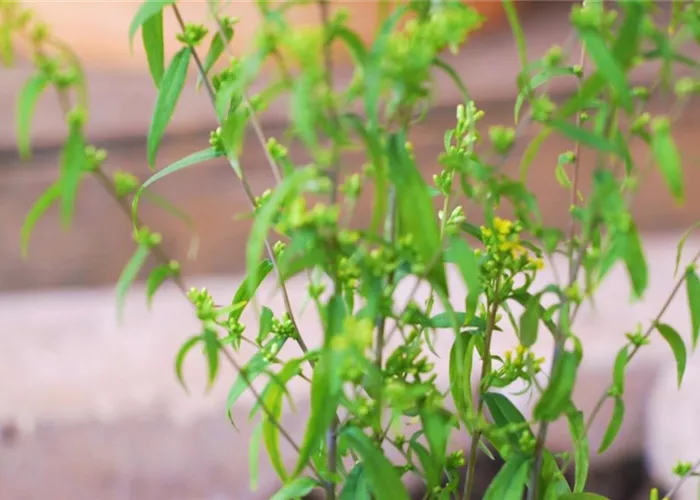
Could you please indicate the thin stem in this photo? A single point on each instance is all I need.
(636, 347)
(246, 187)
(485, 370)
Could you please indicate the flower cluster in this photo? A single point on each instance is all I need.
(504, 250)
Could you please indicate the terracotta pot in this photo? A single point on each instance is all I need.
(98, 30)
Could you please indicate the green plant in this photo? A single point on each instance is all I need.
(360, 388)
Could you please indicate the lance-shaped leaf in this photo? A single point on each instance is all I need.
(667, 157)
(73, 162)
(26, 103)
(129, 274)
(41, 205)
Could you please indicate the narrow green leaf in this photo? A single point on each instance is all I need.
(667, 157)
(302, 112)
(266, 317)
(295, 489)
(72, 165)
(454, 76)
(675, 342)
(613, 428)
(381, 474)
(509, 483)
(26, 102)
(326, 384)
(463, 256)
(273, 401)
(626, 46)
(461, 358)
(583, 96)
(557, 395)
(577, 429)
(561, 176)
(254, 456)
(211, 349)
(634, 259)
(621, 361)
(354, 43)
(437, 425)
(250, 285)
(148, 9)
(171, 86)
(607, 65)
(518, 34)
(681, 244)
(415, 209)
(506, 416)
(41, 205)
(356, 484)
(180, 358)
(531, 152)
(188, 161)
(216, 48)
(584, 136)
(129, 274)
(529, 322)
(152, 35)
(374, 65)
(157, 277)
(692, 284)
(431, 468)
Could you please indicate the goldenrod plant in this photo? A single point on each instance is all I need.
(362, 390)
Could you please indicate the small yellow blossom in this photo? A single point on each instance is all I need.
(502, 226)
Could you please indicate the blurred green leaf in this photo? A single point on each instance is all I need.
(613, 428)
(437, 425)
(626, 47)
(463, 256)
(509, 483)
(155, 279)
(461, 361)
(681, 244)
(381, 474)
(675, 342)
(26, 102)
(73, 161)
(326, 384)
(148, 9)
(172, 83)
(180, 358)
(303, 107)
(531, 152)
(529, 322)
(296, 488)
(216, 48)
(557, 395)
(415, 209)
(41, 205)
(584, 136)
(607, 65)
(152, 34)
(667, 157)
(273, 401)
(632, 253)
(577, 429)
(254, 455)
(129, 274)
(247, 290)
(356, 484)
(373, 68)
(188, 161)
(352, 41)
(621, 361)
(211, 350)
(454, 76)
(692, 284)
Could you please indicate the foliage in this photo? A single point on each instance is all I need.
(361, 389)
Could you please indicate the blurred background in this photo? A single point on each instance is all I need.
(89, 407)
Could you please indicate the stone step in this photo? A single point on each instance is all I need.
(96, 403)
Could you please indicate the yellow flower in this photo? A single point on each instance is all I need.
(502, 226)
(485, 232)
(538, 263)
